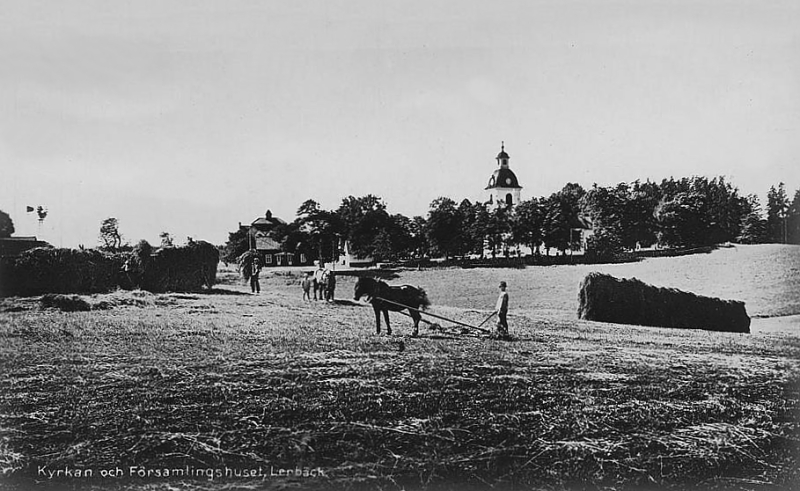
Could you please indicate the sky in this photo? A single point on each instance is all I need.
(189, 116)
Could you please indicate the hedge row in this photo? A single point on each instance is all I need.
(48, 270)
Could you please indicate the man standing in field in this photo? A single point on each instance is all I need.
(502, 311)
(255, 286)
(318, 277)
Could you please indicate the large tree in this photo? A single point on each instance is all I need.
(362, 220)
(793, 225)
(443, 226)
(419, 238)
(682, 222)
(560, 210)
(753, 229)
(6, 225)
(238, 243)
(642, 202)
(608, 210)
(322, 229)
(499, 229)
(527, 223)
(777, 208)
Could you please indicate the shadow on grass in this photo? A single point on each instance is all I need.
(379, 274)
(223, 291)
(348, 303)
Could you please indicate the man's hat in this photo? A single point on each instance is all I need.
(503, 283)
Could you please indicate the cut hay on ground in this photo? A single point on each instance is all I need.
(65, 303)
(605, 298)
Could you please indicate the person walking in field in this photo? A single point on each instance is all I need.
(255, 286)
(502, 311)
(307, 282)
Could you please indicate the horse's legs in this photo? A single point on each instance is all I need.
(377, 319)
(388, 326)
(415, 315)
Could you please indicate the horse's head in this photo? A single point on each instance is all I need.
(364, 286)
(424, 302)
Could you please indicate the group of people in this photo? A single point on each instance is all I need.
(322, 282)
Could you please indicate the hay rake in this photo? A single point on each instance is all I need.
(435, 326)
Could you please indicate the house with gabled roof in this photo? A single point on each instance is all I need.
(259, 235)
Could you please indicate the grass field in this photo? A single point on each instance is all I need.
(152, 387)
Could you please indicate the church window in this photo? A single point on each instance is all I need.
(509, 199)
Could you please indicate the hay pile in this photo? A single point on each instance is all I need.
(48, 270)
(65, 303)
(629, 301)
(178, 269)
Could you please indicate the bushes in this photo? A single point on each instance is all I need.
(39, 271)
(629, 301)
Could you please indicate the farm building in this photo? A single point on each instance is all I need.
(580, 229)
(14, 246)
(259, 233)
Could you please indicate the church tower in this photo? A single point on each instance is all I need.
(503, 188)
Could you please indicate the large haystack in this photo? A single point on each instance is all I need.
(629, 301)
(48, 270)
(178, 269)
(40, 271)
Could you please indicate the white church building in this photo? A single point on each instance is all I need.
(503, 187)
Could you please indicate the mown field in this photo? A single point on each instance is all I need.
(148, 388)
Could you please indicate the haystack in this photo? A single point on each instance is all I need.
(178, 269)
(49, 270)
(605, 298)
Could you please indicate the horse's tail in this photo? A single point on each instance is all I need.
(424, 302)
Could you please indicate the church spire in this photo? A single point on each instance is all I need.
(502, 157)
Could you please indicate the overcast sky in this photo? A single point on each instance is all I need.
(191, 116)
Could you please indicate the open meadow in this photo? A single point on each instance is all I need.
(228, 390)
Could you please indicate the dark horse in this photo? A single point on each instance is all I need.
(399, 298)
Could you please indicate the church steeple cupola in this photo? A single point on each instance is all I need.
(502, 157)
(503, 187)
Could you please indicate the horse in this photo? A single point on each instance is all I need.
(395, 298)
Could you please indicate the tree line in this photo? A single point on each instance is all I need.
(675, 213)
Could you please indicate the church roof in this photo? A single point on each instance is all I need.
(503, 178)
(502, 154)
